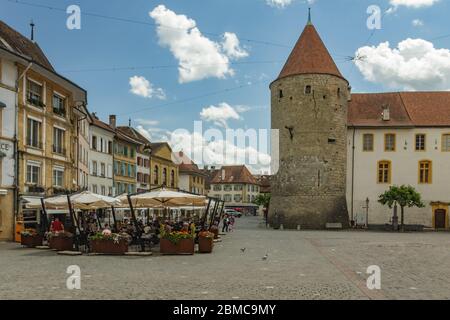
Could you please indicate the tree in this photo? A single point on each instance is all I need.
(404, 196)
(262, 199)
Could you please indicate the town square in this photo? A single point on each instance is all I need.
(153, 151)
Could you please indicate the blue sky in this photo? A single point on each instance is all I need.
(105, 43)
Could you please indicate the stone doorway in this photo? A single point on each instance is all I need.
(439, 218)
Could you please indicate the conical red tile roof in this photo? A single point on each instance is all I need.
(309, 56)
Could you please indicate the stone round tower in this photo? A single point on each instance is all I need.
(309, 101)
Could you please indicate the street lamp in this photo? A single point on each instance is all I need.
(367, 212)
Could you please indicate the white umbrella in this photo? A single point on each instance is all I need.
(166, 198)
(85, 200)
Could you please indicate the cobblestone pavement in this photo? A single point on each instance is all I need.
(300, 265)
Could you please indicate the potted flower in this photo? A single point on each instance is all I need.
(30, 238)
(60, 241)
(205, 241)
(177, 242)
(107, 242)
(215, 230)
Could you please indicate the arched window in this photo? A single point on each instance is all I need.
(164, 177)
(156, 175)
(425, 171)
(172, 178)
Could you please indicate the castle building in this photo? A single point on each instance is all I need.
(339, 151)
(191, 178)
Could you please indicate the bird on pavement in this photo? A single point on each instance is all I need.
(265, 257)
(243, 250)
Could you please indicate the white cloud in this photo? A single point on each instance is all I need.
(198, 57)
(414, 65)
(220, 114)
(147, 122)
(417, 23)
(231, 46)
(143, 88)
(218, 152)
(413, 3)
(279, 3)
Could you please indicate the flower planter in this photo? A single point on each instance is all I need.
(205, 244)
(184, 246)
(61, 243)
(31, 241)
(109, 246)
(215, 230)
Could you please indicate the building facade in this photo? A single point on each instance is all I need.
(101, 157)
(191, 178)
(340, 151)
(236, 186)
(393, 141)
(124, 150)
(164, 169)
(143, 153)
(83, 150)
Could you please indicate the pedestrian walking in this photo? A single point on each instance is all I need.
(226, 223)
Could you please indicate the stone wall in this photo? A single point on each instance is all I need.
(309, 188)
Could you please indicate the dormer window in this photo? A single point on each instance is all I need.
(308, 89)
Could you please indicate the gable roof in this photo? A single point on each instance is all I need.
(186, 165)
(234, 174)
(407, 109)
(14, 41)
(122, 134)
(100, 124)
(133, 133)
(309, 56)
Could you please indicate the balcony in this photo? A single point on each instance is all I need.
(60, 112)
(36, 102)
(34, 143)
(59, 150)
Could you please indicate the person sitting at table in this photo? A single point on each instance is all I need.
(56, 226)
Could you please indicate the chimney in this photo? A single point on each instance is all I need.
(112, 120)
(386, 113)
(32, 30)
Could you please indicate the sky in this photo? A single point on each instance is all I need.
(166, 64)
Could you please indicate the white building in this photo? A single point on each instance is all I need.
(101, 157)
(236, 186)
(395, 139)
(8, 77)
(83, 150)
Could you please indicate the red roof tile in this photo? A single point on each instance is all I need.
(234, 174)
(405, 108)
(309, 56)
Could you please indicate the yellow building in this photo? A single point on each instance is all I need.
(124, 158)
(192, 179)
(164, 169)
(46, 111)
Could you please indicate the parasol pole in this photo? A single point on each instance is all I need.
(113, 211)
(72, 218)
(133, 217)
(44, 216)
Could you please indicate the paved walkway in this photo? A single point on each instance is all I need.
(300, 265)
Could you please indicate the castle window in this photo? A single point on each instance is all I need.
(339, 92)
(420, 142)
(331, 140)
(425, 167)
(389, 142)
(280, 93)
(308, 90)
(384, 172)
(368, 142)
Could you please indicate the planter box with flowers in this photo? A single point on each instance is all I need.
(108, 243)
(60, 241)
(205, 241)
(215, 230)
(30, 238)
(177, 242)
